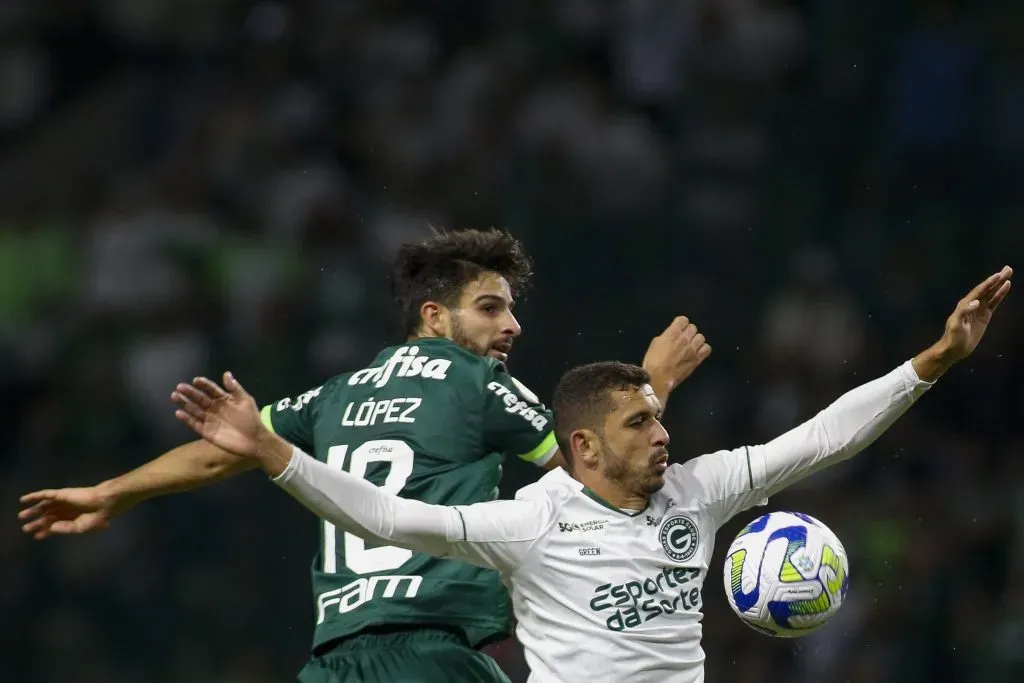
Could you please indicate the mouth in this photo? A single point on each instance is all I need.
(660, 463)
(502, 349)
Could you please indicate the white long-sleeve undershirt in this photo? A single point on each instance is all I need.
(497, 534)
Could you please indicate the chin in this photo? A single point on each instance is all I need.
(655, 484)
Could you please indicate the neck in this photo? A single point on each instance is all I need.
(614, 494)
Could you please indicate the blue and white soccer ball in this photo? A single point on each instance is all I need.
(786, 574)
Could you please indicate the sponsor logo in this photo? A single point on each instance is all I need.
(354, 595)
(655, 521)
(404, 362)
(300, 402)
(629, 604)
(518, 406)
(591, 525)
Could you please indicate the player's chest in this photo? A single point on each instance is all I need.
(665, 535)
(633, 573)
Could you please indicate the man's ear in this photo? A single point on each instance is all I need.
(586, 448)
(434, 318)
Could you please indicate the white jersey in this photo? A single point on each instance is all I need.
(602, 594)
(627, 584)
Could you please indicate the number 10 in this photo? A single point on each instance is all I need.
(357, 557)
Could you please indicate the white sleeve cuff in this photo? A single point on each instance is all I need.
(289, 471)
(908, 372)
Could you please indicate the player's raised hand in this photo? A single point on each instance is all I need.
(227, 418)
(969, 320)
(66, 511)
(674, 354)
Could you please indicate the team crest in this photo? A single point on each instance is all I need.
(679, 538)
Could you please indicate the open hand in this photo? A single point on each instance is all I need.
(969, 321)
(66, 511)
(228, 419)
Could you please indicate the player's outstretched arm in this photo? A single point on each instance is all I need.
(859, 417)
(494, 535)
(91, 508)
(743, 477)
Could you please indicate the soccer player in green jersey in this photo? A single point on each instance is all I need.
(430, 419)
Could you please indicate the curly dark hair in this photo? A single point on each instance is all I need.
(582, 398)
(438, 268)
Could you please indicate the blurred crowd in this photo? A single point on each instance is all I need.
(188, 186)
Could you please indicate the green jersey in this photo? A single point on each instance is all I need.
(429, 421)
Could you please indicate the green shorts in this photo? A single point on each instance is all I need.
(420, 656)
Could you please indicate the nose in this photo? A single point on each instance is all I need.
(660, 437)
(511, 327)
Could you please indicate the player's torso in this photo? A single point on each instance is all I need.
(628, 585)
(410, 424)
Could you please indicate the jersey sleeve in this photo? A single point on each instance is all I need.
(733, 481)
(499, 533)
(293, 418)
(515, 421)
(495, 535)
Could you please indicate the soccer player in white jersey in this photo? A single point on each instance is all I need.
(606, 558)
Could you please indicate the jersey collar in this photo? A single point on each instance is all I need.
(604, 503)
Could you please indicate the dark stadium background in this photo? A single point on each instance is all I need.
(190, 186)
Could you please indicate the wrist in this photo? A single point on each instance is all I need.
(661, 382)
(934, 361)
(273, 453)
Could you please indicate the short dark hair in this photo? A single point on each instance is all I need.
(582, 397)
(437, 269)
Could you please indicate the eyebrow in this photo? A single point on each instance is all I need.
(495, 298)
(638, 413)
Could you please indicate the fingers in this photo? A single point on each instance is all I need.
(38, 525)
(192, 409)
(990, 285)
(192, 423)
(982, 288)
(233, 385)
(67, 527)
(209, 387)
(678, 323)
(700, 345)
(996, 289)
(38, 496)
(681, 326)
(35, 511)
(1000, 294)
(186, 393)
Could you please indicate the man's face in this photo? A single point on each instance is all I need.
(483, 321)
(634, 445)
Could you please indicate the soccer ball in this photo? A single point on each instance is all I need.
(786, 574)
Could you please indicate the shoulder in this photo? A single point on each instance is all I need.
(310, 396)
(700, 476)
(555, 488)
